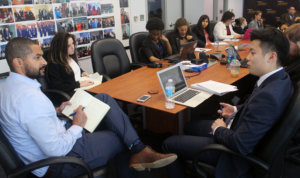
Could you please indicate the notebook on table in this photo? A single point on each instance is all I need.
(186, 48)
(183, 94)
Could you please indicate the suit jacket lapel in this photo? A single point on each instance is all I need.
(240, 113)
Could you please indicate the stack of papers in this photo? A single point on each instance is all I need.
(95, 77)
(214, 87)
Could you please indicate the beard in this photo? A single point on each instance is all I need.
(35, 74)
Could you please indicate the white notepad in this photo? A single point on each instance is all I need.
(214, 87)
(95, 77)
(94, 108)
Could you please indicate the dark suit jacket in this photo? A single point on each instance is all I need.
(253, 120)
(293, 69)
(175, 41)
(58, 78)
(285, 19)
(150, 49)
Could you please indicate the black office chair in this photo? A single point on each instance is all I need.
(168, 33)
(272, 151)
(110, 58)
(14, 168)
(135, 44)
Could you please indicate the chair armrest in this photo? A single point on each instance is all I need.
(136, 65)
(222, 148)
(58, 93)
(293, 154)
(105, 77)
(51, 161)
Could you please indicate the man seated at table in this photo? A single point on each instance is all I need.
(241, 128)
(290, 17)
(30, 122)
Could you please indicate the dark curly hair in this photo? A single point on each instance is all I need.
(155, 23)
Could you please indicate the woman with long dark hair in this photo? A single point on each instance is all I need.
(63, 72)
(203, 31)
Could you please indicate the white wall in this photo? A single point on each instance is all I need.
(208, 8)
(173, 11)
(193, 9)
(237, 7)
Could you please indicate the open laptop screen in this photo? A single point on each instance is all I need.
(174, 73)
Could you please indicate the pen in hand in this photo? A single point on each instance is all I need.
(75, 112)
(221, 109)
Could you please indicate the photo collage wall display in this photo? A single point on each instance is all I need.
(125, 19)
(88, 20)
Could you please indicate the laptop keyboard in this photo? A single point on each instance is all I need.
(186, 95)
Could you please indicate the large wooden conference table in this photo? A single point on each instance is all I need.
(132, 85)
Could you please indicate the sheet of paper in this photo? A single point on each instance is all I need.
(202, 49)
(219, 43)
(95, 77)
(94, 108)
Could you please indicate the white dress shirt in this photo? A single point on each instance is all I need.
(29, 121)
(76, 69)
(220, 31)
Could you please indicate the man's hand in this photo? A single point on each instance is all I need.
(227, 110)
(62, 107)
(80, 117)
(218, 123)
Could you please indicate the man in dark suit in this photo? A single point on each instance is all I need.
(290, 17)
(241, 128)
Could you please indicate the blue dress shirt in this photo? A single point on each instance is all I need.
(29, 121)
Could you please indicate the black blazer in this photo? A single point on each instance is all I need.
(150, 49)
(293, 69)
(58, 78)
(175, 41)
(201, 37)
(254, 119)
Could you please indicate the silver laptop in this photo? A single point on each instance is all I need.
(183, 95)
(186, 48)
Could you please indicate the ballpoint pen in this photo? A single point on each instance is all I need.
(221, 109)
(75, 112)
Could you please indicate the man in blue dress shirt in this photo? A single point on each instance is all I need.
(30, 122)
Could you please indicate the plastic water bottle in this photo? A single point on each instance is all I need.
(235, 67)
(170, 90)
(230, 55)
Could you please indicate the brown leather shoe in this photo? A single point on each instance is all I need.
(149, 158)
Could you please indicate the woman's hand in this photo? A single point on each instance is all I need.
(86, 83)
(84, 74)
